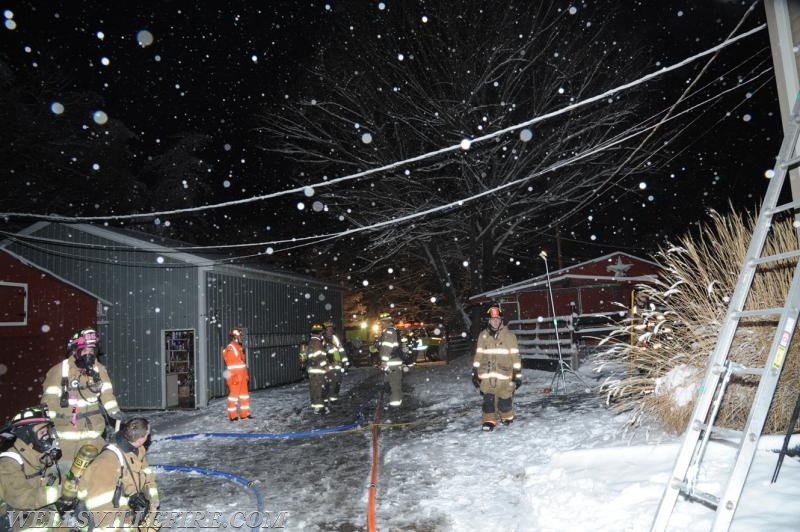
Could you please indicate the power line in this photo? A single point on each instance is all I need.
(463, 145)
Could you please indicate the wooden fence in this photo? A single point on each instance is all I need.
(540, 340)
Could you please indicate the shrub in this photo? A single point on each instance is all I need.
(665, 349)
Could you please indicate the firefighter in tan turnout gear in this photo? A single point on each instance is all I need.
(336, 362)
(391, 358)
(119, 485)
(497, 369)
(29, 477)
(79, 396)
(317, 367)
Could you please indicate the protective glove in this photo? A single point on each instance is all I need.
(65, 505)
(138, 502)
(475, 380)
(517, 382)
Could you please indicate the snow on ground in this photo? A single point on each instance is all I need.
(566, 464)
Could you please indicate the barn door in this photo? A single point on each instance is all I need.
(179, 359)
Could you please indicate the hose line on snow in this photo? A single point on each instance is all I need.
(222, 474)
(376, 425)
(359, 421)
(266, 435)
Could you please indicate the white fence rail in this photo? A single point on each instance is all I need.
(538, 340)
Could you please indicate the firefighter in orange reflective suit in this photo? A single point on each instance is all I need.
(237, 377)
(497, 370)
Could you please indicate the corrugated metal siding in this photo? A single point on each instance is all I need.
(147, 293)
(276, 315)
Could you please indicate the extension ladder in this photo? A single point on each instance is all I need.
(684, 475)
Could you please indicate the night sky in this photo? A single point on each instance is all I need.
(212, 68)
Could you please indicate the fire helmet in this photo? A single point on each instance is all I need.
(236, 333)
(328, 323)
(86, 338)
(316, 328)
(385, 316)
(495, 310)
(27, 424)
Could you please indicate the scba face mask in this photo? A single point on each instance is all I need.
(85, 359)
(47, 442)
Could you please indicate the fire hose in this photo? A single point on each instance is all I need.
(222, 474)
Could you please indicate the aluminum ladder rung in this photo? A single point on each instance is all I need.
(788, 163)
(785, 207)
(721, 431)
(738, 369)
(775, 258)
(771, 311)
(703, 496)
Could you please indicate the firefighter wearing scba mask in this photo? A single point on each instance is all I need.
(29, 477)
(497, 369)
(336, 361)
(317, 367)
(237, 377)
(79, 396)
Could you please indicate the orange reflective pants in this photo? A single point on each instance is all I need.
(237, 393)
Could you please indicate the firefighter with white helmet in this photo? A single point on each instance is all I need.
(236, 376)
(497, 369)
(29, 476)
(317, 368)
(79, 396)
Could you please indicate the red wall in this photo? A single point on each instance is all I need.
(55, 311)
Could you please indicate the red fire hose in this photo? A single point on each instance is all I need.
(374, 475)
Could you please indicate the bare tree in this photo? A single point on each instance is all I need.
(416, 80)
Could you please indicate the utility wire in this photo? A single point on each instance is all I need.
(463, 145)
(299, 242)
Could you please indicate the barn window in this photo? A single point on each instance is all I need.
(13, 304)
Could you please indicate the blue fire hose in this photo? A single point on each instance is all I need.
(222, 474)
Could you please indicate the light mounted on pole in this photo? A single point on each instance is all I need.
(559, 377)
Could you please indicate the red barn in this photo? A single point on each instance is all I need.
(38, 314)
(582, 294)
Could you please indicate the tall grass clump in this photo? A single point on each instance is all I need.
(661, 353)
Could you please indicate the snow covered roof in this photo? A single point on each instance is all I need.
(23, 260)
(137, 240)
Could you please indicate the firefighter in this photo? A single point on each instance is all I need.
(337, 358)
(237, 376)
(317, 367)
(497, 369)
(302, 358)
(119, 485)
(79, 396)
(391, 358)
(29, 476)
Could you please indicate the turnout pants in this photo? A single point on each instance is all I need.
(334, 383)
(318, 389)
(498, 400)
(238, 394)
(395, 377)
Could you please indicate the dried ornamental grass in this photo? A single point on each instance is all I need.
(665, 348)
